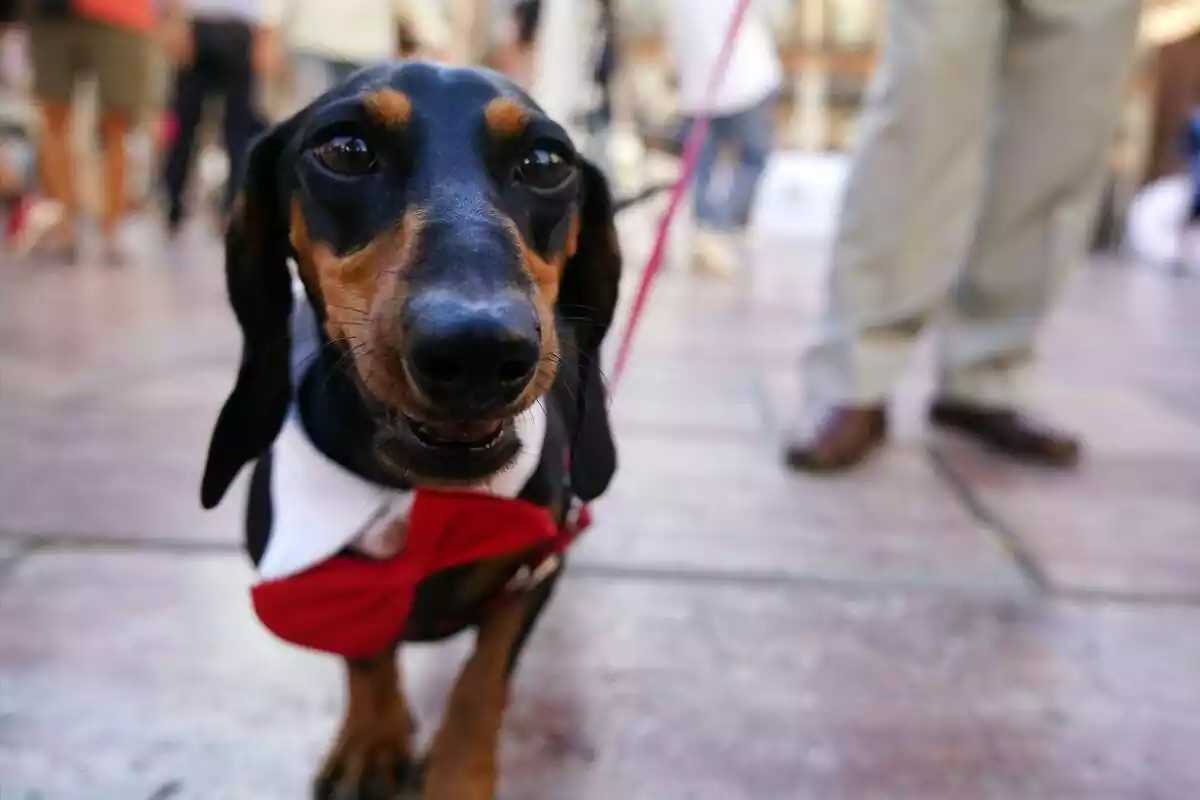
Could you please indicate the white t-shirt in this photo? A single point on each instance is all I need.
(697, 31)
(357, 31)
(245, 10)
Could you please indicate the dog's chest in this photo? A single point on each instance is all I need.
(345, 557)
(320, 508)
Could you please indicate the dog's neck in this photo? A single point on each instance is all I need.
(337, 419)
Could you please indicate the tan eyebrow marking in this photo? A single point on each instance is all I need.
(389, 107)
(505, 118)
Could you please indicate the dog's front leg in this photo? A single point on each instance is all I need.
(462, 758)
(371, 757)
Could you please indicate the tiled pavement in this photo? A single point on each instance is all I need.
(939, 626)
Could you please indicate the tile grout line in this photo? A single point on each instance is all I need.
(1002, 534)
(31, 544)
(771, 579)
(587, 569)
(1086, 596)
(10, 564)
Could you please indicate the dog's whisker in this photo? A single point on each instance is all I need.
(570, 393)
(347, 356)
(579, 307)
(584, 306)
(311, 358)
(587, 358)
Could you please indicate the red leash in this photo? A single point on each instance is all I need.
(691, 154)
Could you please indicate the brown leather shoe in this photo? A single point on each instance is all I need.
(1009, 433)
(843, 440)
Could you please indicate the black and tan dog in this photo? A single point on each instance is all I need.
(459, 271)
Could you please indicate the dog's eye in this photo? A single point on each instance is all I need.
(347, 155)
(545, 170)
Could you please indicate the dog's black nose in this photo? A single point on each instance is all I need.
(469, 355)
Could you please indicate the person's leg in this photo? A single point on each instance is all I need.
(1066, 71)
(121, 61)
(599, 119)
(713, 250)
(754, 137)
(910, 203)
(191, 86)
(114, 128)
(237, 84)
(54, 55)
(516, 55)
(705, 208)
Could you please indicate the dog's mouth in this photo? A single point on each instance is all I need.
(449, 451)
(469, 436)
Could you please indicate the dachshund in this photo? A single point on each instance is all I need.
(423, 269)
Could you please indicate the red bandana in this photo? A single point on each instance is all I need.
(355, 606)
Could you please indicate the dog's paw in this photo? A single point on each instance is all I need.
(370, 764)
(459, 785)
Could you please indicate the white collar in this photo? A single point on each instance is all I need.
(320, 508)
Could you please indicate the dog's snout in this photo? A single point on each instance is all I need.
(471, 355)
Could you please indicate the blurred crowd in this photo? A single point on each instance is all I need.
(161, 82)
(973, 185)
(151, 79)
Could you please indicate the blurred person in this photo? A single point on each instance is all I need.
(14, 117)
(1189, 240)
(741, 113)
(516, 60)
(972, 191)
(327, 40)
(70, 40)
(604, 69)
(212, 45)
(407, 43)
(26, 212)
(515, 54)
(18, 179)
(17, 151)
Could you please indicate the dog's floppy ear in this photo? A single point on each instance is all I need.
(591, 280)
(587, 299)
(260, 291)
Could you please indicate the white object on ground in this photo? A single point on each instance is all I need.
(1156, 218)
(42, 217)
(213, 168)
(715, 252)
(800, 196)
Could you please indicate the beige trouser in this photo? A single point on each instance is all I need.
(973, 189)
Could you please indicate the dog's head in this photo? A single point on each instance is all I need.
(446, 232)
